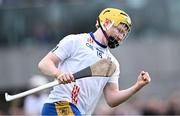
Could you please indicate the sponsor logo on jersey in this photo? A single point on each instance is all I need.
(89, 43)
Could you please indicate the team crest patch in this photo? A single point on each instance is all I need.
(63, 108)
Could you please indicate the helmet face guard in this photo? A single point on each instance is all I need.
(112, 42)
(118, 17)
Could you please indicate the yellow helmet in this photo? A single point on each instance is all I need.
(117, 15)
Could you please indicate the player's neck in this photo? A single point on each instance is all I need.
(100, 36)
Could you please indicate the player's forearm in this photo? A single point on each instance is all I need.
(48, 68)
(115, 97)
(121, 96)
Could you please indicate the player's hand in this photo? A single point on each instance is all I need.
(65, 78)
(143, 78)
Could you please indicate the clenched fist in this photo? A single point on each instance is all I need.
(143, 78)
(65, 78)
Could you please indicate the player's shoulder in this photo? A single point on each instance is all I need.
(74, 39)
(77, 36)
(114, 59)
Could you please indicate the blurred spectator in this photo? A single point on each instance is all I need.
(132, 107)
(33, 104)
(41, 34)
(173, 106)
(153, 106)
(16, 108)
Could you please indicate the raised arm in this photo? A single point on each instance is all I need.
(114, 96)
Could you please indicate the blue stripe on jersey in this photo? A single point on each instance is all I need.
(49, 109)
(75, 110)
(92, 35)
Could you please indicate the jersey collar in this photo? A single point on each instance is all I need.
(93, 37)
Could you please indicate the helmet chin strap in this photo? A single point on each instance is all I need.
(112, 42)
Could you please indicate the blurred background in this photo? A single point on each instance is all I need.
(29, 29)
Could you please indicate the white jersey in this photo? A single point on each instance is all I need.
(78, 52)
